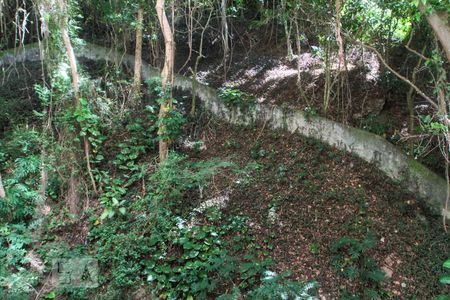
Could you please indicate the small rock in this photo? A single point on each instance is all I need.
(389, 261)
(388, 271)
(218, 202)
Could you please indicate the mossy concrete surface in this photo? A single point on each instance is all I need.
(370, 147)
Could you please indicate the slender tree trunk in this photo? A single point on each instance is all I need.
(190, 30)
(76, 97)
(138, 53)
(327, 88)
(299, 52)
(197, 62)
(440, 25)
(2, 189)
(225, 36)
(339, 40)
(287, 30)
(166, 74)
(73, 65)
(410, 102)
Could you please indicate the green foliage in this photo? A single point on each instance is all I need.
(351, 261)
(174, 257)
(129, 170)
(236, 98)
(112, 196)
(257, 151)
(170, 120)
(378, 21)
(232, 144)
(16, 279)
(314, 248)
(309, 112)
(445, 279)
(178, 175)
(20, 165)
(19, 154)
(169, 124)
(274, 286)
(90, 124)
(372, 124)
(278, 286)
(430, 125)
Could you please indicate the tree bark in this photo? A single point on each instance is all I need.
(2, 189)
(440, 25)
(339, 40)
(72, 63)
(76, 92)
(138, 52)
(166, 74)
(225, 35)
(197, 62)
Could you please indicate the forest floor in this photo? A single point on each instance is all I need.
(303, 196)
(368, 99)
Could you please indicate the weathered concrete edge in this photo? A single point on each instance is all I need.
(370, 147)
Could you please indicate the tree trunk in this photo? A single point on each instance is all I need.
(440, 25)
(2, 189)
(339, 40)
(76, 96)
(166, 74)
(410, 102)
(197, 62)
(287, 30)
(138, 53)
(73, 65)
(225, 40)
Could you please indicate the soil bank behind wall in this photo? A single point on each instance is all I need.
(372, 148)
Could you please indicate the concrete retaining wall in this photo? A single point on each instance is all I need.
(370, 147)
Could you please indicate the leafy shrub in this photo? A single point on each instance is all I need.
(177, 260)
(236, 98)
(169, 124)
(373, 125)
(19, 154)
(445, 279)
(274, 286)
(350, 260)
(173, 257)
(257, 151)
(278, 287)
(16, 279)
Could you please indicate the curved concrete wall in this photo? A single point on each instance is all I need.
(370, 147)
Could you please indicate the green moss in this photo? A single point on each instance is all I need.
(13, 51)
(416, 168)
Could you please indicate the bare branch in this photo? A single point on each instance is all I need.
(404, 79)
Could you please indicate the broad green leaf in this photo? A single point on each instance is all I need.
(445, 280)
(51, 295)
(447, 264)
(104, 215)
